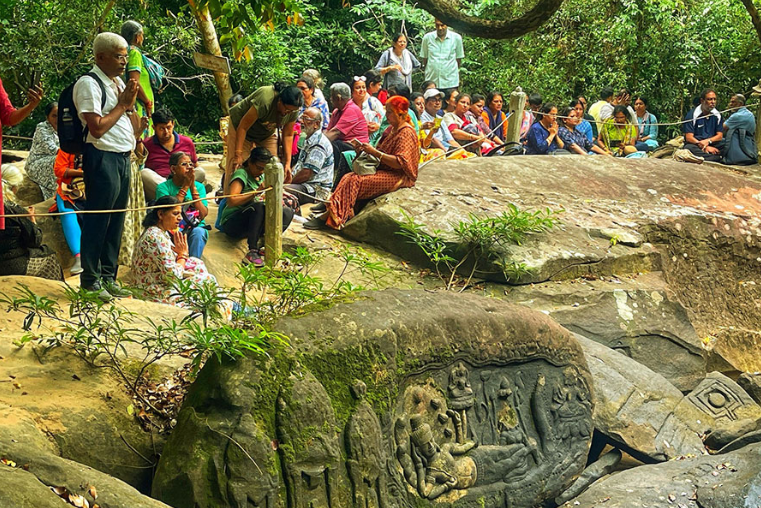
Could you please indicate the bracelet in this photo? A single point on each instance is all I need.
(181, 258)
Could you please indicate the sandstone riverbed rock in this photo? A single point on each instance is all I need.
(83, 410)
(478, 403)
(730, 480)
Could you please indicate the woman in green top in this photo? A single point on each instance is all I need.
(132, 31)
(617, 135)
(243, 214)
(255, 120)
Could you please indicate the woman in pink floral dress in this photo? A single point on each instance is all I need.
(161, 255)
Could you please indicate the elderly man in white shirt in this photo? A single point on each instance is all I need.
(106, 161)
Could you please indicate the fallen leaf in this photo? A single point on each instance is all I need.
(17, 385)
(75, 377)
(130, 410)
(93, 492)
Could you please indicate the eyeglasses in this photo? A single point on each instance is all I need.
(306, 119)
(360, 78)
(121, 58)
(185, 164)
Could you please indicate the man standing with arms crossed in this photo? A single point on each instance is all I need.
(106, 161)
(441, 54)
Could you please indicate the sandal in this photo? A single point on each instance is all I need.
(252, 258)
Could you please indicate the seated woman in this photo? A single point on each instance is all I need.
(494, 118)
(398, 152)
(70, 197)
(182, 185)
(583, 125)
(161, 255)
(418, 102)
(243, 213)
(617, 134)
(371, 107)
(42, 154)
(435, 136)
(647, 124)
(543, 137)
(475, 114)
(574, 140)
(21, 249)
(465, 132)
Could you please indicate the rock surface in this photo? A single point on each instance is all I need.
(731, 480)
(455, 369)
(32, 468)
(637, 408)
(699, 224)
(82, 410)
(636, 317)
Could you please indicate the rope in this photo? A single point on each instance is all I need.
(138, 209)
(680, 122)
(462, 147)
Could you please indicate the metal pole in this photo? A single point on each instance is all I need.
(516, 107)
(273, 212)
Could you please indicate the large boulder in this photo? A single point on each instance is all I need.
(697, 223)
(640, 410)
(730, 480)
(637, 318)
(398, 398)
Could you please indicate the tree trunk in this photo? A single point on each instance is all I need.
(211, 44)
(754, 17)
(448, 12)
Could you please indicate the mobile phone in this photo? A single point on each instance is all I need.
(36, 77)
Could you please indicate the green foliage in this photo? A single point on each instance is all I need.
(479, 239)
(290, 286)
(667, 50)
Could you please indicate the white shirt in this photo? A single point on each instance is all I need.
(87, 98)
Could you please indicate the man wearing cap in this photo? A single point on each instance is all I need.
(442, 138)
(441, 54)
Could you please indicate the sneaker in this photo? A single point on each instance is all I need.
(76, 268)
(115, 290)
(314, 223)
(252, 257)
(102, 295)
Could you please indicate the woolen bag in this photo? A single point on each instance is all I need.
(74, 190)
(365, 164)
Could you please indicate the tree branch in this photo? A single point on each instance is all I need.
(448, 12)
(754, 17)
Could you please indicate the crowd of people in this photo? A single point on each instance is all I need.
(368, 137)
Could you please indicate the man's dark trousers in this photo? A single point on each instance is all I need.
(106, 176)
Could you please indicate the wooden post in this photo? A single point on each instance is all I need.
(516, 107)
(273, 212)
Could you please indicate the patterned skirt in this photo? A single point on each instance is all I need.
(133, 220)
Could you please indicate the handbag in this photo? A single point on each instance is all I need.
(155, 72)
(75, 190)
(365, 164)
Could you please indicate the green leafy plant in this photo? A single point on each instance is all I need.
(477, 239)
(289, 286)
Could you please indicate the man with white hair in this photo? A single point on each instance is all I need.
(313, 172)
(106, 161)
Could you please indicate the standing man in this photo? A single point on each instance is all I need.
(106, 161)
(441, 55)
(704, 128)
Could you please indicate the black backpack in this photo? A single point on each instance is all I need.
(72, 135)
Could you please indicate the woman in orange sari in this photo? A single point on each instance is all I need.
(398, 151)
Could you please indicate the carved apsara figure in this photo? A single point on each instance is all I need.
(571, 406)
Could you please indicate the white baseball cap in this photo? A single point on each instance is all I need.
(431, 93)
